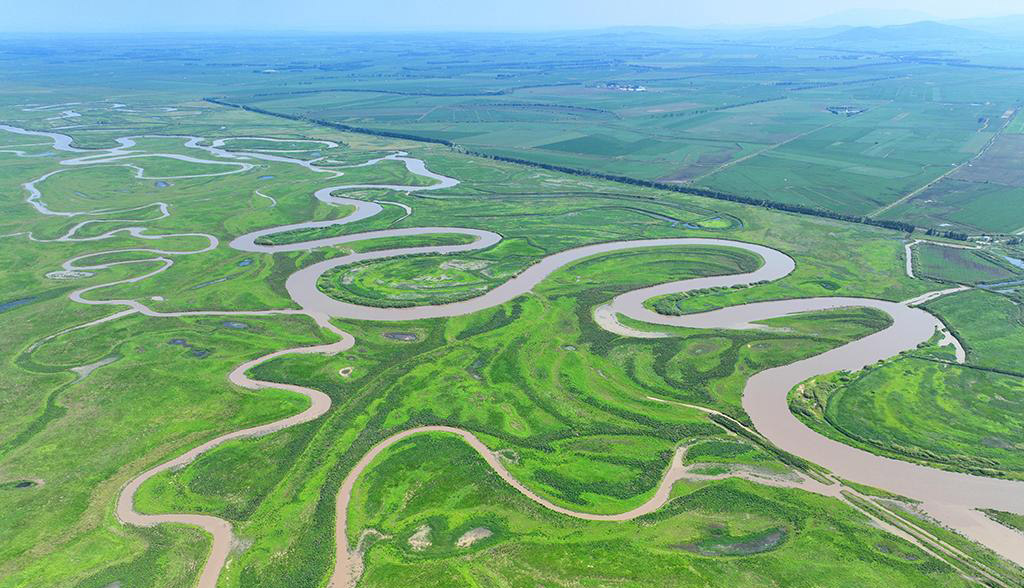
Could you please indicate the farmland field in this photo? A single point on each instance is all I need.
(327, 312)
(983, 195)
(759, 134)
(964, 205)
(1016, 125)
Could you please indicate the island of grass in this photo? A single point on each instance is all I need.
(1009, 519)
(420, 280)
(931, 411)
(990, 325)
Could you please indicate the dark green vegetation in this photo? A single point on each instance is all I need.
(535, 377)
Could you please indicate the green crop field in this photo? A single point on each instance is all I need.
(1016, 125)
(750, 134)
(983, 195)
(127, 302)
(972, 206)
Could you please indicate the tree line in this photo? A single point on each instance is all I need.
(955, 235)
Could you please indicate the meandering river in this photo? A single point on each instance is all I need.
(950, 497)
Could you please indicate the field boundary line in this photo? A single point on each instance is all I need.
(729, 164)
(970, 160)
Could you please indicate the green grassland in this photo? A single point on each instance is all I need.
(924, 408)
(382, 243)
(989, 325)
(284, 145)
(430, 280)
(408, 488)
(384, 172)
(534, 376)
(518, 402)
(960, 418)
(551, 400)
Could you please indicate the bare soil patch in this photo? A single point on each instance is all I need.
(420, 540)
(472, 536)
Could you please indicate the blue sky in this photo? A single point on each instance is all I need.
(461, 15)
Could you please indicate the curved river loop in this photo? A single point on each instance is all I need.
(950, 498)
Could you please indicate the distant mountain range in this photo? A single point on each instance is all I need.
(917, 32)
(1005, 25)
(1004, 32)
(863, 17)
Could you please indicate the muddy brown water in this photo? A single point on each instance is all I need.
(945, 494)
(764, 396)
(302, 287)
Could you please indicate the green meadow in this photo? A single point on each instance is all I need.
(960, 418)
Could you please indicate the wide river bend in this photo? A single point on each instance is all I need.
(948, 496)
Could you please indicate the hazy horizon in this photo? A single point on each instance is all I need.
(65, 16)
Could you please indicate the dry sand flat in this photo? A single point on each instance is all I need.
(948, 496)
(472, 536)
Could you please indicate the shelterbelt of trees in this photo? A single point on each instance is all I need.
(718, 195)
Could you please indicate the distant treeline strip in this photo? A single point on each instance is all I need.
(800, 86)
(696, 111)
(535, 105)
(783, 206)
(502, 92)
(961, 63)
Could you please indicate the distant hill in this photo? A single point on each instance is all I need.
(868, 17)
(921, 35)
(913, 33)
(1009, 26)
